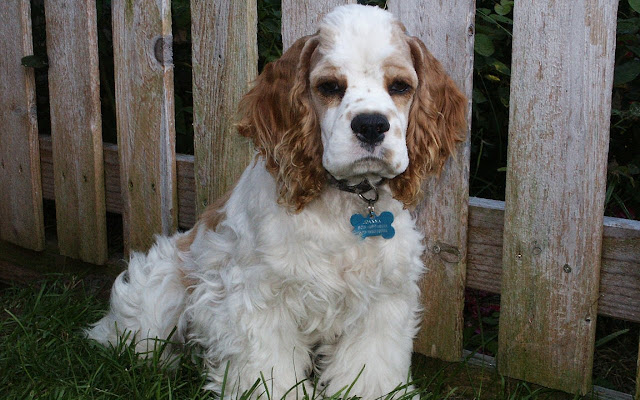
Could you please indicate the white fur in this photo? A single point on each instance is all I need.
(360, 42)
(284, 294)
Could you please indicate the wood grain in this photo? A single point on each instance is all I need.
(113, 195)
(76, 129)
(446, 28)
(561, 84)
(143, 64)
(21, 220)
(620, 247)
(620, 273)
(484, 259)
(225, 59)
(300, 18)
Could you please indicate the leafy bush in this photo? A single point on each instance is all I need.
(491, 107)
(490, 113)
(623, 184)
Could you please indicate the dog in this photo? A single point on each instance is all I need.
(309, 266)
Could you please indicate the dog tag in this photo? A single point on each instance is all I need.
(373, 225)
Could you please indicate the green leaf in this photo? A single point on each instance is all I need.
(478, 97)
(502, 18)
(503, 93)
(492, 347)
(501, 67)
(483, 45)
(34, 62)
(635, 4)
(635, 49)
(628, 26)
(502, 9)
(490, 321)
(610, 337)
(626, 72)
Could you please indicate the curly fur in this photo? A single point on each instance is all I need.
(278, 117)
(272, 281)
(437, 122)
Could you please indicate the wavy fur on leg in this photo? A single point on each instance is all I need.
(147, 300)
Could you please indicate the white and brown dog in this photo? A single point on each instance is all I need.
(312, 262)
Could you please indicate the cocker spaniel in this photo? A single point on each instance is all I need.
(311, 264)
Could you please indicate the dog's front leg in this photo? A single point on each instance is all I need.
(262, 345)
(378, 346)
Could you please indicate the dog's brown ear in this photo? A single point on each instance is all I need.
(437, 122)
(277, 114)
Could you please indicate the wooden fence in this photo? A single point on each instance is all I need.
(548, 250)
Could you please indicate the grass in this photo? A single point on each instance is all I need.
(44, 355)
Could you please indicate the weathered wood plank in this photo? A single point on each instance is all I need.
(21, 220)
(447, 30)
(225, 59)
(484, 259)
(184, 167)
(187, 214)
(76, 129)
(620, 271)
(560, 103)
(300, 18)
(143, 63)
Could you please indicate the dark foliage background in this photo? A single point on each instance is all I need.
(490, 95)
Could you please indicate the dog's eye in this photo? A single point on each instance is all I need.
(331, 88)
(399, 87)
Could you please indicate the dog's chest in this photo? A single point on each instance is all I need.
(331, 275)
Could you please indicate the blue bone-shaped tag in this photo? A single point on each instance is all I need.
(374, 225)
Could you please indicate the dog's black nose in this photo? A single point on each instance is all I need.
(370, 128)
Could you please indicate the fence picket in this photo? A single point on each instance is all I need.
(300, 18)
(561, 84)
(143, 64)
(21, 218)
(445, 29)
(225, 56)
(76, 132)
(619, 273)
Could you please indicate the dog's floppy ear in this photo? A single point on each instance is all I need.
(437, 121)
(277, 114)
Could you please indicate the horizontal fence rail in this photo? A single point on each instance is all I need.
(620, 275)
(560, 104)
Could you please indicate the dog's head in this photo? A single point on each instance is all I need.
(357, 100)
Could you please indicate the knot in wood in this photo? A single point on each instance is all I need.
(163, 50)
(447, 253)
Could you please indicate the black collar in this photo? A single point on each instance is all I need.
(360, 188)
